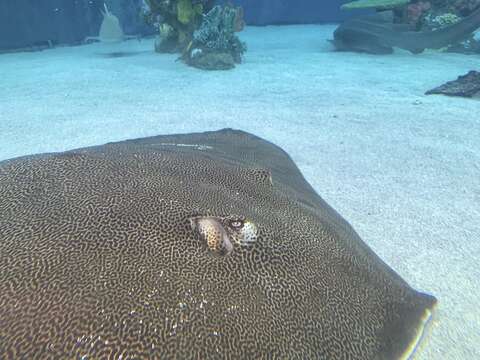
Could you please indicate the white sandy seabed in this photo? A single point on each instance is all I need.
(403, 168)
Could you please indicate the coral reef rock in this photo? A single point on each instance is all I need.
(416, 11)
(213, 61)
(215, 46)
(175, 21)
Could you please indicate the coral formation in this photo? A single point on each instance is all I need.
(465, 7)
(431, 15)
(416, 11)
(444, 13)
(439, 21)
(187, 11)
(214, 44)
(175, 20)
(204, 34)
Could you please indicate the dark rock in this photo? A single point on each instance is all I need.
(213, 61)
(466, 86)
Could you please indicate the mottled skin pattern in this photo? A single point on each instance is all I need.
(99, 259)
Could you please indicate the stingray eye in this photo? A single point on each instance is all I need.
(236, 224)
(242, 231)
(212, 232)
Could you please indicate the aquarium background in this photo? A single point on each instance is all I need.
(402, 167)
(25, 23)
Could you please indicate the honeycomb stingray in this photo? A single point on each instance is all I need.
(196, 246)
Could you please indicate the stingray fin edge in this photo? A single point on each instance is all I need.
(421, 329)
(404, 330)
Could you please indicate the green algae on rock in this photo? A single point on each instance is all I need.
(376, 4)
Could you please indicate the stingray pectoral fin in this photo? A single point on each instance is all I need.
(407, 323)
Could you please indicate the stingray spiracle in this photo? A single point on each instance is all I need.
(220, 233)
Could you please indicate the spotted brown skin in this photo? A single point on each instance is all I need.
(99, 258)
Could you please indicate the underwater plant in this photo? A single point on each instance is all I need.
(175, 21)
